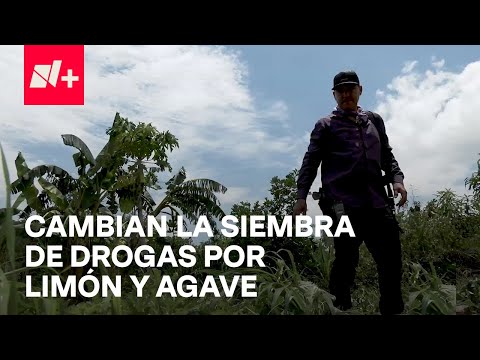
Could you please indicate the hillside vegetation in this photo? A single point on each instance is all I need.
(441, 239)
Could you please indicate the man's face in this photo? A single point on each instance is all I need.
(347, 96)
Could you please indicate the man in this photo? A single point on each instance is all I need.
(348, 146)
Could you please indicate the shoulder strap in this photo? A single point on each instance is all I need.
(376, 122)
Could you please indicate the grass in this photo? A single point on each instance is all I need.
(8, 283)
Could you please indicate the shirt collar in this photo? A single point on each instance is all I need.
(360, 114)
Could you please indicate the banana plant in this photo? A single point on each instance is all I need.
(144, 151)
(192, 198)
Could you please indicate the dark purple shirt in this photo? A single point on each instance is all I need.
(351, 159)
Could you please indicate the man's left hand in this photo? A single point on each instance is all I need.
(398, 188)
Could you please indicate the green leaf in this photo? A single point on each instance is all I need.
(104, 158)
(4, 293)
(20, 199)
(276, 296)
(176, 179)
(89, 198)
(126, 205)
(21, 165)
(55, 195)
(31, 194)
(75, 141)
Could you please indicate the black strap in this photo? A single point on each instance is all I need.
(373, 117)
(376, 122)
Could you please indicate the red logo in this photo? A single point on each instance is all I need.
(53, 75)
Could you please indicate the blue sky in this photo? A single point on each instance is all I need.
(243, 114)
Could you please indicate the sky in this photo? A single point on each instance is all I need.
(244, 114)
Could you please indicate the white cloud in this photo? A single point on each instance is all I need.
(438, 64)
(432, 122)
(409, 66)
(199, 93)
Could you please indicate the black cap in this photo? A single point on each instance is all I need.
(345, 77)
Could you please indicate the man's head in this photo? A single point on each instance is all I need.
(347, 90)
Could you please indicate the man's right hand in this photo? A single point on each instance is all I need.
(300, 207)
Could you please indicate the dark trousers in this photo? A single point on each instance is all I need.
(379, 229)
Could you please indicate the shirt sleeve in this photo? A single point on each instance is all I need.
(311, 160)
(389, 163)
